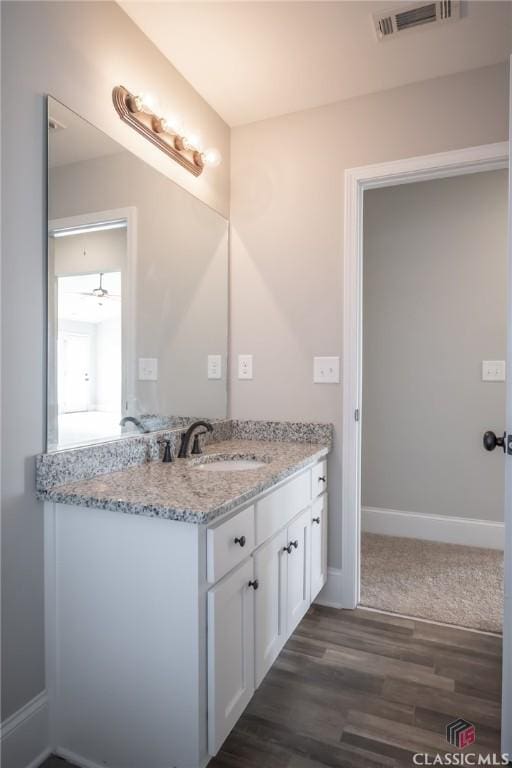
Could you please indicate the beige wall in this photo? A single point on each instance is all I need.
(287, 232)
(77, 51)
(434, 297)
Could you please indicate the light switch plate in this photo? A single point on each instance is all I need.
(214, 366)
(493, 370)
(148, 369)
(326, 370)
(245, 366)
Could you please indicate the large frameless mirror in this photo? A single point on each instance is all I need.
(137, 293)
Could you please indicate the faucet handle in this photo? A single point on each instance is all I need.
(167, 457)
(196, 448)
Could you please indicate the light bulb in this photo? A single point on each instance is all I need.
(212, 157)
(147, 102)
(193, 141)
(174, 124)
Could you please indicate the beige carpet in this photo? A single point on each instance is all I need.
(439, 582)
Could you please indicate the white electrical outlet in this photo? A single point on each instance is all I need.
(148, 369)
(245, 366)
(214, 366)
(493, 370)
(326, 370)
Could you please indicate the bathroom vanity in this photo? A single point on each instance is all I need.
(171, 590)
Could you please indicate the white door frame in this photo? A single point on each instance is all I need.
(487, 157)
(128, 277)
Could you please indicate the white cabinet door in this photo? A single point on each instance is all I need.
(299, 569)
(318, 545)
(270, 563)
(230, 652)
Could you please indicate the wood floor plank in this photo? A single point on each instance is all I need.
(406, 737)
(489, 645)
(371, 662)
(328, 675)
(450, 703)
(393, 646)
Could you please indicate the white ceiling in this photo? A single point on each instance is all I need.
(254, 60)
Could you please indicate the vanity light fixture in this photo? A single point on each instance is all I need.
(166, 133)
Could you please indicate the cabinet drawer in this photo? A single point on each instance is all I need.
(318, 479)
(278, 508)
(229, 543)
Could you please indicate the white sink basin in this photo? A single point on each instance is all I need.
(230, 465)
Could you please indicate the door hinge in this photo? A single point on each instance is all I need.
(356, 414)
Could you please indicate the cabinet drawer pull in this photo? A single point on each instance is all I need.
(316, 520)
(240, 540)
(322, 479)
(254, 584)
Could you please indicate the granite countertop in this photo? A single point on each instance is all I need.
(179, 491)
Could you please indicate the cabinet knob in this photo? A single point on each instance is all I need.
(295, 543)
(254, 584)
(240, 540)
(288, 548)
(316, 520)
(322, 479)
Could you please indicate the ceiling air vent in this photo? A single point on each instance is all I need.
(411, 15)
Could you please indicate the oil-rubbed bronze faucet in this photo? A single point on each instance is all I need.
(132, 420)
(187, 436)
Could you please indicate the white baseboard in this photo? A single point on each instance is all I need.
(331, 594)
(450, 530)
(24, 735)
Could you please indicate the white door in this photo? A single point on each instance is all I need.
(230, 651)
(75, 361)
(506, 718)
(299, 569)
(318, 545)
(270, 603)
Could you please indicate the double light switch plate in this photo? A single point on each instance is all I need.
(493, 370)
(326, 370)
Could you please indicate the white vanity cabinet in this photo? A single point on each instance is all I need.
(159, 631)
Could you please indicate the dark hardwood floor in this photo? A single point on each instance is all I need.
(359, 689)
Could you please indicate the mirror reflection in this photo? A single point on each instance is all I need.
(137, 293)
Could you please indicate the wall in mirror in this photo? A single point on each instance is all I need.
(137, 293)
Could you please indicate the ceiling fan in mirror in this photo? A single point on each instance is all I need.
(100, 292)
